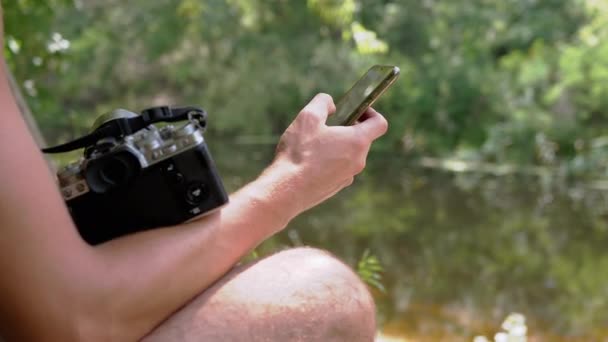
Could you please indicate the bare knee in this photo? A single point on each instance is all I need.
(301, 294)
(328, 295)
(307, 294)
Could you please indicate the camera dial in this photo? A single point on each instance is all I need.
(111, 116)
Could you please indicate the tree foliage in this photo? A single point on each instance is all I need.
(505, 81)
(523, 82)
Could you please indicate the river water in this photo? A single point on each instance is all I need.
(461, 251)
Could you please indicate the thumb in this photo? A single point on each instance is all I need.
(373, 126)
(320, 107)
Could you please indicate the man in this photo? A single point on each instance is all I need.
(178, 283)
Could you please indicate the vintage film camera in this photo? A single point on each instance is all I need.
(136, 176)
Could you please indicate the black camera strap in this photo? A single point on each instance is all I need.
(120, 127)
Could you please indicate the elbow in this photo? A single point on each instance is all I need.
(85, 322)
(85, 313)
(44, 323)
(101, 319)
(98, 320)
(89, 326)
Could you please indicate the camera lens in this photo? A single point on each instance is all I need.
(111, 171)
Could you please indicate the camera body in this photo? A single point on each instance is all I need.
(140, 176)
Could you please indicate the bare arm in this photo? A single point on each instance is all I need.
(56, 287)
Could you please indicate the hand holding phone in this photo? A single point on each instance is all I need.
(363, 94)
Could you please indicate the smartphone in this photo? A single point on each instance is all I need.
(363, 94)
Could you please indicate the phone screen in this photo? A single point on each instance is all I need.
(363, 94)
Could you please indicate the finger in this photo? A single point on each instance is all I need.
(321, 106)
(348, 182)
(372, 125)
(369, 112)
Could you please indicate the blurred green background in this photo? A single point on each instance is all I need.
(487, 196)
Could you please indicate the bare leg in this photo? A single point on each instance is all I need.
(301, 294)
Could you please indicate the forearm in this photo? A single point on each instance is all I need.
(148, 276)
(65, 288)
(124, 287)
